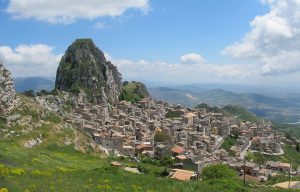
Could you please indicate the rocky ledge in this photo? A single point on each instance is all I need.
(7, 91)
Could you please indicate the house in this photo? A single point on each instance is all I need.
(177, 151)
(113, 142)
(278, 166)
(143, 147)
(180, 158)
(199, 165)
(162, 151)
(235, 150)
(182, 175)
(128, 151)
(189, 118)
(250, 168)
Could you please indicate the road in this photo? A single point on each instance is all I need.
(243, 153)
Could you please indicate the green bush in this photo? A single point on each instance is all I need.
(228, 143)
(43, 92)
(17, 172)
(52, 117)
(161, 137)
(4, 171)
(218, 171)
(173, 114)
(29, 93)
(3, 190)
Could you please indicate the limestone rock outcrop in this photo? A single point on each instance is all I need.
(85, 68)
(7, 91)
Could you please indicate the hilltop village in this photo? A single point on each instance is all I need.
(192, 137)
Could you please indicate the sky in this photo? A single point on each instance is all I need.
(254, 42)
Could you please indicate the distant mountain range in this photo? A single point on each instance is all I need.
(285, 108)
(277, 105)
(33, 83)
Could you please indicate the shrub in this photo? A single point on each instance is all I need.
(3, 190)
(217, 171)
(173, 114)
(4, 171)
(41, 173)
(43, 92)
(52, 117)
(29, 93)
(17, 172)
(161, 137)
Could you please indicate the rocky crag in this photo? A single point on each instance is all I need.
(133, 91)
(85, 68)
(7, 91)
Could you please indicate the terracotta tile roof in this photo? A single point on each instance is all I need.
(177, 149)
(143, 146)
(181, 157)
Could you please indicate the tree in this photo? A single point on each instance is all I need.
(298, 147)
(167, 161)
(218, 171)
(29, 93)
(259, 158)
(249, 156)
(43, 92)
(161, 137)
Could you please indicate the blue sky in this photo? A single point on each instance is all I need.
(188, 41)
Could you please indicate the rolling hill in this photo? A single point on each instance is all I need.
(280, 109)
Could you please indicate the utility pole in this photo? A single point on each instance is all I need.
(244, 172)
(290, 175)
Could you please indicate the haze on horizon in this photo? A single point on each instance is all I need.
(234, 42)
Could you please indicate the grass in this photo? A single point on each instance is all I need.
(241, 113)
(53, 167)
(290, 156)
(232, 110)
(133, 92)
(288, 129)
(228, 143)
(173, 114)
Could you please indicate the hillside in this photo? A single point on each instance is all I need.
(133, 91)
(40, 152)
(280, 109)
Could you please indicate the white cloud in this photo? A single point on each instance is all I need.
(192, 58)
(30, 60)
(100, 25)
(195, 72)
(274, 39)
(40, 60)
(69, 11)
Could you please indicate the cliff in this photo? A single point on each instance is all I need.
(134, 91)
(7, 91)
(85, 68)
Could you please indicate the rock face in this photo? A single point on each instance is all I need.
(137, 87)
(7, 91)
(84, 67)
(133, 91)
